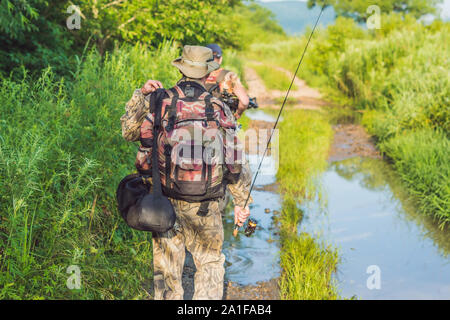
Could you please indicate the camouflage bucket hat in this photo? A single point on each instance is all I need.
(196, 62)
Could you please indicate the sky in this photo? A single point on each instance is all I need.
(445, 14)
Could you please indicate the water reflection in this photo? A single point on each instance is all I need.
(373, 222)
(255, 258)
(260, 115)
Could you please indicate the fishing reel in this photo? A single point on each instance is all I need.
(249, 229)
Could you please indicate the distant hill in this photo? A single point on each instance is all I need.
(294, 16)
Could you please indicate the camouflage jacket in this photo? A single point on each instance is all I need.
(139, 106)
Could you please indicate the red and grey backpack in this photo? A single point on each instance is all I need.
(197, 150)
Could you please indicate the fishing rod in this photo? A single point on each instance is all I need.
(253, 223)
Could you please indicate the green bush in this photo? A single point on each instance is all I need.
(61, 159)
(399, 77)
(422, 159)
(34, 35)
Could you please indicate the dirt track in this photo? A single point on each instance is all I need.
(351, 140)
(305, 96)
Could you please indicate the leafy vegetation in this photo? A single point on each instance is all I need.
(61, 159)
(422, 159)
(307, 268)
(254, 24)
(34, 35)
(152, 21)
(398, 77)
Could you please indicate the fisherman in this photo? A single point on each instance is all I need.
(198, 226)
(226, 81)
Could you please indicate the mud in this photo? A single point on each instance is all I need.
(259, 124)
(305, 97)
(267, 290)
(351, 140)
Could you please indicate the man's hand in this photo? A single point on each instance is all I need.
(240, 215)
(150, 86)
(244, 100)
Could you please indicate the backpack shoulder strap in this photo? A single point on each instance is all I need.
(174, 95)
(212, 87)
(156, 106)
(209, 109)
(170, 93)
(155, 99)
(156, 178)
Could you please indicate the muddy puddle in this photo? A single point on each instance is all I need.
(255, 259)
(387, 249)
(261, 115)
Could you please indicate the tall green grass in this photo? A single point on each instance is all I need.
(61, 158)
(307, 265)
(422, 159)
(398, 77)
(307, 269)
(401, 80)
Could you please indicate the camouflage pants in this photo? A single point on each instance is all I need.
(202, 236)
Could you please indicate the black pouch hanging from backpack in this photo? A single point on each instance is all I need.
(130, 191)
(144, 211)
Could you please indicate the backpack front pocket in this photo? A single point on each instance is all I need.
(190, 174)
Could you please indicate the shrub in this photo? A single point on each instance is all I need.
(61, 158)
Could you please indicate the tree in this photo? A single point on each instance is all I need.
(357, 9)
(152, 21)
(33, 33)
(32, 36)
(16, 17)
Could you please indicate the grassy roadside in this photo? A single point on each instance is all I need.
(398, 78)
(307, 265)
(61, 158)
